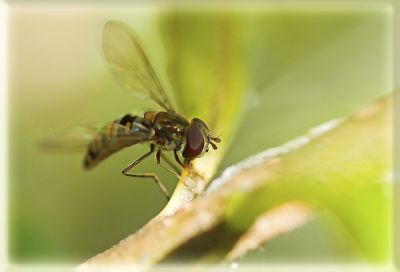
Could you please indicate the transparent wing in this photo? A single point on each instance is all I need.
(129, 63)
(72, 139)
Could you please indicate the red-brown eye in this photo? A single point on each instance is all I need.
(194, 143)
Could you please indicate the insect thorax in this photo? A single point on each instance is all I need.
(169, 129)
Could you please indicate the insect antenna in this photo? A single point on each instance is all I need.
(213, 141)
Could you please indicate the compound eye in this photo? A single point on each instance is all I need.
(194, 143)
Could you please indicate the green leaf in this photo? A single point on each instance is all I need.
(342, 173)
(206, 67)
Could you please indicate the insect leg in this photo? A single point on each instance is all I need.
(146, 175)
(178, 160)
(170, 163)
(158, 155)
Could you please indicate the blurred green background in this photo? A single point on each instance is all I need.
(295, 66)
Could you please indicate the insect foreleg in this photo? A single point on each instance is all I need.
(175, 171)
(146, 175)
(170, 163)
(178, 160)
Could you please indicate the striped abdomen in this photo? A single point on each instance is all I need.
(114, 136)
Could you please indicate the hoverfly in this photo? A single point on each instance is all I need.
(162, 130)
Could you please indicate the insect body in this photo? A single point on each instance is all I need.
(163, 130)
(168, 131)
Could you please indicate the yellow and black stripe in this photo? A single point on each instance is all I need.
(114, 136)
